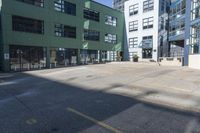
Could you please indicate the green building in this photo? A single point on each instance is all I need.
(38, 34)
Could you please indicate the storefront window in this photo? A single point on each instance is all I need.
(90, 56)
(23, 58)
(60, 57)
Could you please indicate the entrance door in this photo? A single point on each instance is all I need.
(147, 53)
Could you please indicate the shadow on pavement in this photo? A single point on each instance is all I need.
(31, 104)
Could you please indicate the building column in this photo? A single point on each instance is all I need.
(187, 33)
(6, 58)
(79, 57)
(100, 56)
(48, 57)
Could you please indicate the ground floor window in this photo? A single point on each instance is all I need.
(97, 56)
(60, 57)
(146, 53)
(195, 49)
(24, 58)
(90, 56)
(195, 39)
(111, 56)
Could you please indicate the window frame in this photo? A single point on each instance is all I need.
(91, 14)
(133, 26)
(133, 42)
(133, 9)
(110, 20)
(87, 35)
(110, 38)
(38, 3)
(65, 7)
(148, 5)
(61, 30)
(28, 25)
(147, 23)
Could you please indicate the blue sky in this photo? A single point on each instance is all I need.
(105, 2)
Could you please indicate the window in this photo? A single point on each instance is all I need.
(148, 23)
(133, 26)
(111, 38)
(65, 31)
(91, 14)
(133, 42)
(91, 35)
(147, 42)
(109, 20)
(148, 5)
(133, 9)
(65, 7)
(27, 25)
(39, 3)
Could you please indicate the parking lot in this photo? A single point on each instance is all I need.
(114, 97)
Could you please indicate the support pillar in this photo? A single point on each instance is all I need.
(6, 58)
(79, 57)
(48, 57)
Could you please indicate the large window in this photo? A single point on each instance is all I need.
(133, 26)
(147, 42)
(195, 9)
(91, 35)
(39, 3)
(195, 28)
(91, 14)
(27, 25)
(178, 10)
(177, 28)
(148, 5)
(65, 31)
(65, 7)
(148, 23)
(23, 58)
(133, 9)
(111, 38)
(109, 20)
(133, 42)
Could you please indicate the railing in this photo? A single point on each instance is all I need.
(177, 32)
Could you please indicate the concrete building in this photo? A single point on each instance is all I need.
(119, 4)
(146, 29)
(194, 43)
(38, 34)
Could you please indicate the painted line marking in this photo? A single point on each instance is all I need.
(94, 120)
(31, 121)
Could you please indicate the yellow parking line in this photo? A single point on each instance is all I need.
(94, 120)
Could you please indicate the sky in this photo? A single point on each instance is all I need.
(105, 2)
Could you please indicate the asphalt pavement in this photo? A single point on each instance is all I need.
(108, 98)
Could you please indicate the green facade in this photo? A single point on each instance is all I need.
(51, 17)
